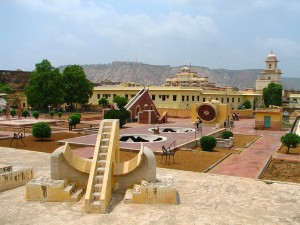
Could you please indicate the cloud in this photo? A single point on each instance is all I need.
(285, 46)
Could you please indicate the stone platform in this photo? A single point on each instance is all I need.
(203, 199)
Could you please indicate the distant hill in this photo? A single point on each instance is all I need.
(156, 74)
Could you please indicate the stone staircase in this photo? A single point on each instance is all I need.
(45, 189)
(100, 185)
(163, 191)
(14, 176)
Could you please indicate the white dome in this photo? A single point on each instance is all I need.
(271, 57)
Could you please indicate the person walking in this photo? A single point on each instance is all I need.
(231, 123)
(70, 123)
(225, 124)
(199, 123)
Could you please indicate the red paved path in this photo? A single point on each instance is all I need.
(251, 161)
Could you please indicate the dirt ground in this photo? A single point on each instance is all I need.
(283, 170)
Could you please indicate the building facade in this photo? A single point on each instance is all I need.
(271, 74)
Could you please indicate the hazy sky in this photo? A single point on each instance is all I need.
(231, 34)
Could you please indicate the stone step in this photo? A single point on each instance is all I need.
(96, 196)
(5, 169)
(103, 149)
(128, 196)
(101, 163)
(76, 196)
(97, 187)
(71, 187)
(102, 155)
(100, 170)
(98, 179)
(105, 135)
(95, 207)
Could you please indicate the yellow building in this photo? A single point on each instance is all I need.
(189, 79)
(179, 97)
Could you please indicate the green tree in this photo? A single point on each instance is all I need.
(59, 114)
(45, 86)
(41, 130)
(78, 89)
(120, 101)
(25, 113)
(247, 104)
(13, 112)
(4, 88)
(103, 102)
(272, 94)
(290, 140)
(51, 113)
(122, 114)
(36, 114)
(208, 143)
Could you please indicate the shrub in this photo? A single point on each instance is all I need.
(59, 114)
(13, 112)
(51, 113)
(120, 101)
(41, 130)
(36, 114)
(4, 111)
(247, 104)
(25, 113)
(103, 102)
(75, 119)
(78, 114)
(123, 115)
(226, 134)
(290, 140)
(208, 143)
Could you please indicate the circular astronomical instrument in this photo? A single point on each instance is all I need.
(207, 112)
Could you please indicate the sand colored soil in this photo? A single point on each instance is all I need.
(31, 143)
(283, 170)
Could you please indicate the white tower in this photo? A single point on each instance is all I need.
(269, 74)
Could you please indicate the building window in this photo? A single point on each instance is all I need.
(187, 98)
(217, 99)
(203, 99)
(126, 96)
(198, 98)
(232, 100)
(153, 97)
(24, 104)
(115, 95)
(239, 99)
(132, 96)
(98, 96)
(227, 100)
(182, 98)
(222, 100)
(174, 98)
(163, 97)
(193, 98)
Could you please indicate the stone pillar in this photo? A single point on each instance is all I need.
(19, 109)
(7, 113)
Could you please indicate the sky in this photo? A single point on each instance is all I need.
(231, 34)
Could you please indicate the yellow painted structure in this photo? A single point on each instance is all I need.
(268, 118)
(176, 97)
(223, 113)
